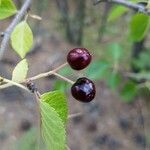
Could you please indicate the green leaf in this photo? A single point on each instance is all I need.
(97, 69)
(128, 91)
(7, 9)
(142, 62)
(113, 80)
(116, 12)
(57, 100)
(139, 26)
(20, 71)
(22, 39)
(28, 141)
(52, 128)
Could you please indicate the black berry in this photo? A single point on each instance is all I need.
(83, 90)
(79, 58)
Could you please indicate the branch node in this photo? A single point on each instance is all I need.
(31, 86)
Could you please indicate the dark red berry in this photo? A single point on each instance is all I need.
(79, 58)
(83, 90)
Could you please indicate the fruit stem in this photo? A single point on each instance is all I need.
(74, 115)
(63, 78)
(47, 73)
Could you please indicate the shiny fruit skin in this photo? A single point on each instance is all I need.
(79, 58)
(83, 90)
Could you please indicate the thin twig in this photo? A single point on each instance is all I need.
(47, 73)
(74, 115)
(137, 76)
(126, 3)
(63, 78)
(10, 28)
(42, 75)
(35, 17)
(14, 83)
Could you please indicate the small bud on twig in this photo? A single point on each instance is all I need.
(31, 86)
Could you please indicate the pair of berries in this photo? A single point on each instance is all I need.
(83, 89)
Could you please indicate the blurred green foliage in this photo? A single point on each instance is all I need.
(143, 62)
(113, 80)
(97, 69)
(128, 91)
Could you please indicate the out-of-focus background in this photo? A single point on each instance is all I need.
(119, 117)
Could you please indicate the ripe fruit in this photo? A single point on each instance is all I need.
(83, 90)
(79, 58)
